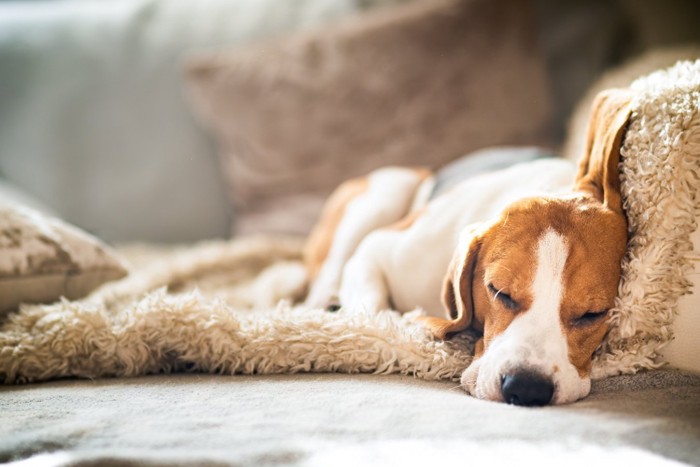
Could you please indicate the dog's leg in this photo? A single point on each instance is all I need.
(364, 286)
(385, 197)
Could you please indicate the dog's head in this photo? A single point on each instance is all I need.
(540, 280)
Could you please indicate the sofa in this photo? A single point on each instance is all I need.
(200, 139)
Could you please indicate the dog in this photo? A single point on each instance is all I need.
(517, 255)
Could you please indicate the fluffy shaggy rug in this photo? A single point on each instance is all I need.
(190, 311)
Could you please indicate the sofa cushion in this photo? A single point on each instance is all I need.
(419, 84)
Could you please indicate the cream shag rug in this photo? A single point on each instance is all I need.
(191, 309)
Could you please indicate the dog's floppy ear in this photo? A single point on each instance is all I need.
(457, 286)
(598, 168)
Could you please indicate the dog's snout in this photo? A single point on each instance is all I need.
(526, 388)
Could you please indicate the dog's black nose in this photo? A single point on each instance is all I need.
(526, 388)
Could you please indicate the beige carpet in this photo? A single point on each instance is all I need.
(327, 419)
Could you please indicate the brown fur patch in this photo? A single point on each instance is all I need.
(479, 348)
(598, 171)
(422, 172)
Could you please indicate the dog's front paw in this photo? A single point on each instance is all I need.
(321, 296)
(367, 301)
(333, 307)
(469, 377)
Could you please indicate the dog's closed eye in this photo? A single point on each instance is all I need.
(503, 297)
(588, 318)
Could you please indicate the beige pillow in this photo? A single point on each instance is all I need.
(419, 84)
(43, 259)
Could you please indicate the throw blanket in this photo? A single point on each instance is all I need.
(189, 311)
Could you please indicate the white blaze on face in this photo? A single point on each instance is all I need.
(535, 340)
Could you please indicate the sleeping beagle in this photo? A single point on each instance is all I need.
(515, 254)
